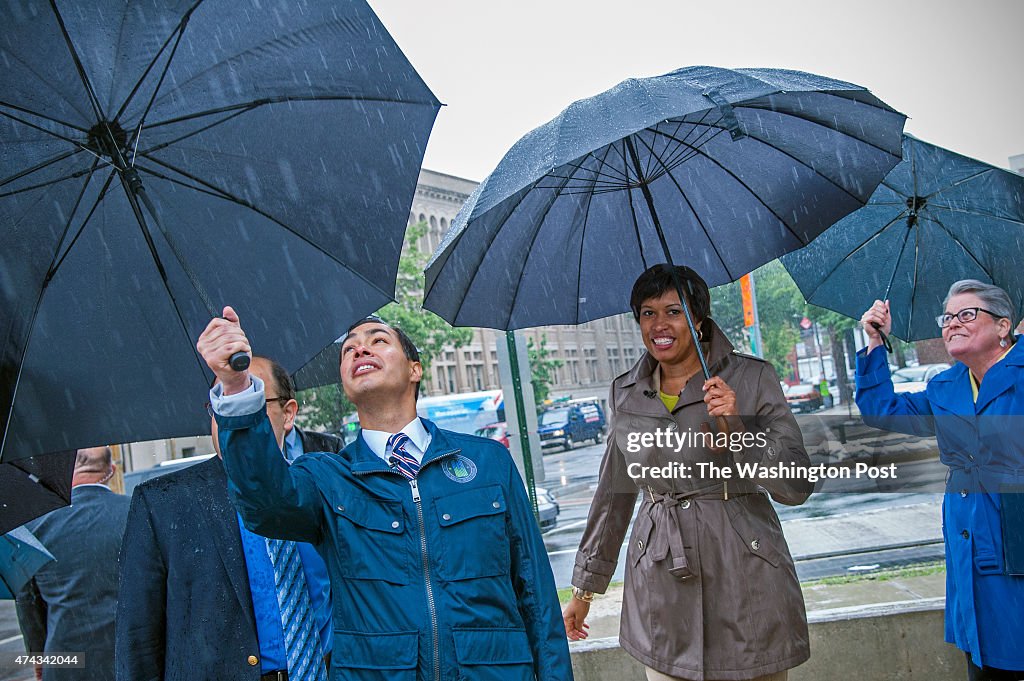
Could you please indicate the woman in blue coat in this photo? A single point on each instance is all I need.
(974, 410)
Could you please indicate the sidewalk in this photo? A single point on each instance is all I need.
(830, 535)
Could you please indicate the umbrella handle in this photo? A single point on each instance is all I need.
(239, 361)
(881, 334)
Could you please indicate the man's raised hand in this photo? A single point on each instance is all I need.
(222, 338)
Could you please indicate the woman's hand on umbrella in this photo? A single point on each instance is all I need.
(574, 617)
(222, 338)
(878, 314)
(720, 398)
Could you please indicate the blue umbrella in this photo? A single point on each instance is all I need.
(162, 159)
(722, 170)
(938, 217)
(21, 556)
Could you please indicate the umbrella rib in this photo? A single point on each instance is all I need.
(752, 193)
(39, 166)
(959, 243)
(67, 251)
(969, 178)
(41, 129)
(41, 185)
(79, 67)
(43, 116)
(193, 133)
(227, 196)
(800, 161)
(750, 105)
(700, 222)
(178, 31)
(283, 99)
(533, 240)
(579, 266)
(862, 245)
(38, 304)
(979, 213)
(636, 230)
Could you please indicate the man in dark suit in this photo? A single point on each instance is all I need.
(69, 605)
(197, 598)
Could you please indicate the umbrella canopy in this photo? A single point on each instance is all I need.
(717, 169)
(21, 556)
(34, 486)
(163, 159)
(938, 217)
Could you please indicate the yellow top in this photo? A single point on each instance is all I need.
(669, 400)
(974, 381)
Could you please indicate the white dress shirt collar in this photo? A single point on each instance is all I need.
(377, 440)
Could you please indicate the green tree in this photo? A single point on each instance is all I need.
(779, 306)
(543, 364)
(325, 407)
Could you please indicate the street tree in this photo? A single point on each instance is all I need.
(543, 365)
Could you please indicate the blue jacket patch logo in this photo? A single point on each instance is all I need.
(459, 468)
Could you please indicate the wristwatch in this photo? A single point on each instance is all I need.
(585, 596)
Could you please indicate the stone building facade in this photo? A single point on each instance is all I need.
(592, 353)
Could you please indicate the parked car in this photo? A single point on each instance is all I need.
(494, 431)
(913, 379)
(567, 423)
(547, 509)
(803, 397)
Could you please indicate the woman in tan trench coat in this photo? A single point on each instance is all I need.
(711, 591)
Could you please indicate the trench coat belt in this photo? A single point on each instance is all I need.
(671, 522)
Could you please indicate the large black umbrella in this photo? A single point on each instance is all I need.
(162, 159)
(938, 217)
(722, 170)
(34, 486)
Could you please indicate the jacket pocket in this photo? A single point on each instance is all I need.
(474, 537)
(372, 538)
(755, 528)
(639, 540)
(374, 657)
(493, 655)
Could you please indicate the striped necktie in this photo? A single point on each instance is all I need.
(301, 639)
(401, 460)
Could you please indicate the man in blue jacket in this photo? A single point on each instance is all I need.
(438, 570)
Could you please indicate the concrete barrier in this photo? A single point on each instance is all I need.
(884, 642)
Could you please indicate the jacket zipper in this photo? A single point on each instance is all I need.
(431, 605)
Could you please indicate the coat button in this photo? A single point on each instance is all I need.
(396, 524)
(446, 516)
(253, 660)
(965, 534)
(771, 452)
(684, 504)
(496, 504)
(755, 544)
(672, 427)
(963, 493)
(341, 508)
(640, 544)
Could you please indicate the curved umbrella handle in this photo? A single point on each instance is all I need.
(885, 339)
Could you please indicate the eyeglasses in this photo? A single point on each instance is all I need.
(280, 400)
(965, 316)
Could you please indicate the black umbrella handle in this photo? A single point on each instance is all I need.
(239, 361)
(881, 334)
